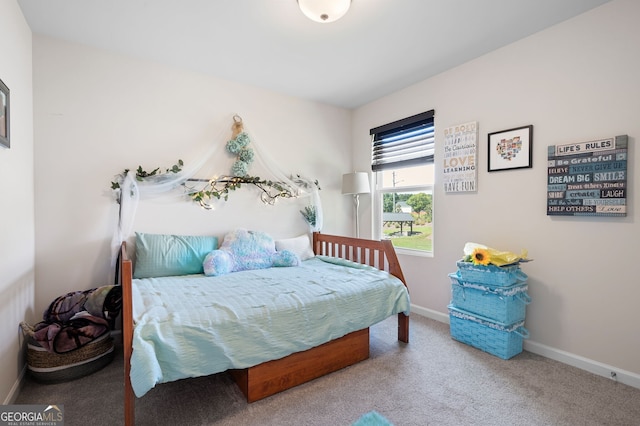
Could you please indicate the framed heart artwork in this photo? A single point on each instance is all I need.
(510, 149)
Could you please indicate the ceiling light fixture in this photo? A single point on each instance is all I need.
(324, 11)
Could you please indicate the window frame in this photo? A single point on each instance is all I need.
(378, 192)
(392, 148)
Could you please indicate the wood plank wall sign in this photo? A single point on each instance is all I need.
(588, 178)
(460, 155)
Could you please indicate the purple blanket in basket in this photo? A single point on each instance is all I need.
(71, 335)
(77, 318)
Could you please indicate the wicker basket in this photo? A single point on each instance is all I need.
(49, 367)
(503, 304)
(491, 274)
(501, 340)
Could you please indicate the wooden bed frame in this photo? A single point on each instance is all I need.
(275, 376)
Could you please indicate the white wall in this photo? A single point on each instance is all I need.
(575, 82)
(97, 113)
(16, 192)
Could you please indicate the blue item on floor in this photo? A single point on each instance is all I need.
(372, 418)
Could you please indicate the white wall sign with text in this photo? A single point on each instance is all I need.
(460, 154)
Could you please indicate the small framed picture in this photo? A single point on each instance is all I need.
(4, 116)
(511, 149)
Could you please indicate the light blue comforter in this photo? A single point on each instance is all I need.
(189, 326)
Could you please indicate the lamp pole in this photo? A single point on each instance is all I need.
(356, 200)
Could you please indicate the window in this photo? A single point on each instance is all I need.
(403, 167)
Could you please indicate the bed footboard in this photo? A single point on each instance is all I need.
(379, 254)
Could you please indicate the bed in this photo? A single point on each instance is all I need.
(317, 340)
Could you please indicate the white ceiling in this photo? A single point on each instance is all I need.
(379, 47)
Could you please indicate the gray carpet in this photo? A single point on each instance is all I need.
(433, 380)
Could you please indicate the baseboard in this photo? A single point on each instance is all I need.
(595, 367)
(621, 376)
(430, 313)
(15, 389)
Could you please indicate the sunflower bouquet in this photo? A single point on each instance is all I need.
(480, 254)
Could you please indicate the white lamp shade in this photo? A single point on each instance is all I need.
(324, 10)
(355, 183)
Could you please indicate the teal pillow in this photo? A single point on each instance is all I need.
(159, 255)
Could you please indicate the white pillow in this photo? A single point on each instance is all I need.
(299, 245)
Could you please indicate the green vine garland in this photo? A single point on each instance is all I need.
(221, 187)
(143, 174)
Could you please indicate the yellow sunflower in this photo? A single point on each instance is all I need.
(480, 256)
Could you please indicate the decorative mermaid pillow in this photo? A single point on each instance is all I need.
(244, 250)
